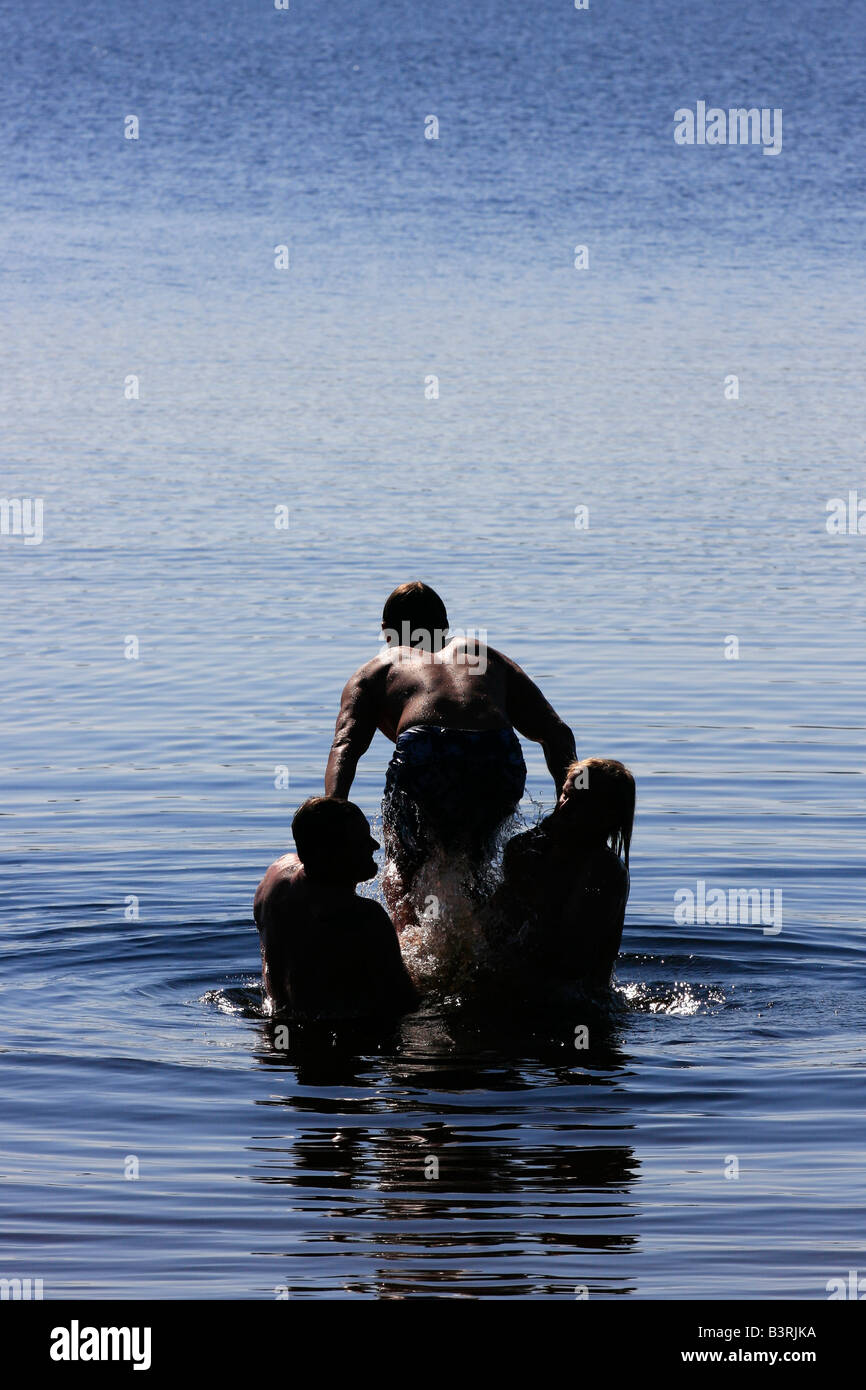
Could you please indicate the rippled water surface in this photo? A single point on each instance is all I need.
(136, 1043)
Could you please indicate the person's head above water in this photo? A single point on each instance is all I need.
(333, 841)
(598, 802)
(414, 615)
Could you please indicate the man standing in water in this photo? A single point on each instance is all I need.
(451, 707)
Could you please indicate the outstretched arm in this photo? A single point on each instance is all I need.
(356, 725)
(534, 718)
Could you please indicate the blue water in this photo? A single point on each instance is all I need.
(138, 1042)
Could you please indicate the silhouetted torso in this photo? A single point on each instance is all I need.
(327, 953)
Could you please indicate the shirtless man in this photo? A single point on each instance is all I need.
(451, 707)
(326, 953)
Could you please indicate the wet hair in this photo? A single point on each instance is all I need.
(320, 828)
(612, 789)
(416, 605)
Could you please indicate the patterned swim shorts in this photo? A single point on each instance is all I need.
(450, 789)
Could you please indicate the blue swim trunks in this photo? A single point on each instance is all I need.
(450, 789)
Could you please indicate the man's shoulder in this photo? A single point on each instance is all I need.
(370, 674)
(373, 918)
(286, 869)
(372, 911)
(505, 665)
(280, 880)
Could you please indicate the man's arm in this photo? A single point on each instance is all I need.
(356, 724)
(535, 719)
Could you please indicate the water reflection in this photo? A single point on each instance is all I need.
(437, 1149)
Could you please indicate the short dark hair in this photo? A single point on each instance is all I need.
(319, 828)
(416, 605)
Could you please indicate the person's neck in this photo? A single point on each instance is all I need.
(327, 882)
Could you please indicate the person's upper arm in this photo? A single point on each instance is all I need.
(530, 713)
(358, 717)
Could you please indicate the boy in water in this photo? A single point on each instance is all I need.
(326, 953)
(560, 908)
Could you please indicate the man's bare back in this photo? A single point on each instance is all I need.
(465, 685)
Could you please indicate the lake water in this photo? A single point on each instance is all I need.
(709, 1141)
